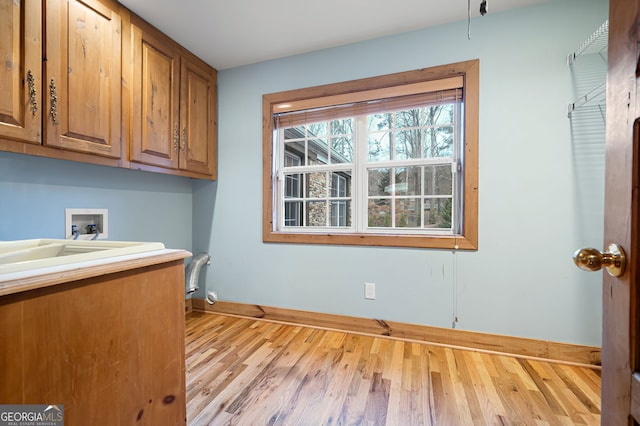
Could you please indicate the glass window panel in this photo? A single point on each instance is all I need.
(293, 185)
(317, 152)
(438, 180)
(437, 212)
(317, 129)
(342, 127)
(408, 180)
(408, 144)
(292, 213)
(291, 159)
(342, 149)
(340, 185)
(294, 133)
(408, 118)
(378, 122)
(379, 146)
(379, 182)
(317, 185)
(316, 213)
(340, 213)
(293, 150)
(438, 142)
(407, 213)
(379, 212)
(439, 114)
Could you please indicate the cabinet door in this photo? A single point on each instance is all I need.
(20, 73)
(83, 76)
(198, 118)
(156, 87)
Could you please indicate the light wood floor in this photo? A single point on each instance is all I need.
(252, 372)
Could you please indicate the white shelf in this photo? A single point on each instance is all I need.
(596, 44)
(596, 96)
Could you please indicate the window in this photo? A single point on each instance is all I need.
(389, 160)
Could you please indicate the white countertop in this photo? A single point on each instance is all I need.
(43, 270)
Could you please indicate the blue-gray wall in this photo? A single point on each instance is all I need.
(34, 193)
(541, 189)
(533, 173)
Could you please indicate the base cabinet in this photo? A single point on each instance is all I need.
(110, 349)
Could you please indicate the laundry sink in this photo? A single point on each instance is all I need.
(39, 253)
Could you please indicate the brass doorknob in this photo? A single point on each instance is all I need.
(591, 259)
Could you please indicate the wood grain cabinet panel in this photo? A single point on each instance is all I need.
(110, 348)
(20, 70)
(198, 118)
(83, 76)
(156, 100)
(173, 109)
(87, 80)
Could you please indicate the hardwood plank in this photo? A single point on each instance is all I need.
(564, 352)
(254, 371)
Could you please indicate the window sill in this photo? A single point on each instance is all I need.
(452, 242)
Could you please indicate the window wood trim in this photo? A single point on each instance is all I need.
(468, 240)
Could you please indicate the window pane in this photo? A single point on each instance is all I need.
(437, 212)
(377, 122)
(340, 213)
(379, 146)
(379, 213)
(293, 185)
(317, 185)
(408, 118)
(438, 180)
(379, 182)
(293, 153)
(408, 144)
(342, 127)
(317, 129)
(342, 149)
(316, 213)
(408, 181)
(439, 114)
(407, 212)
(317, 150)
(340, 185)
(438, 142)
(294, 133)
(292, 213)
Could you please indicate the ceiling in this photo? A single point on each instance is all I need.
(231, 33)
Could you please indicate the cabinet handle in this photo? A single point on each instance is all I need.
(176, 138)
(31, 82)
(183, 146)
(54, 102)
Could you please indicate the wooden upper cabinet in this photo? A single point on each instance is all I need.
(198, 114)
(83, 72)
(87, 80)
(155, 121)
(20, 70)
(173, 106)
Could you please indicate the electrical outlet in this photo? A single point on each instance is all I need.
(369, 291)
